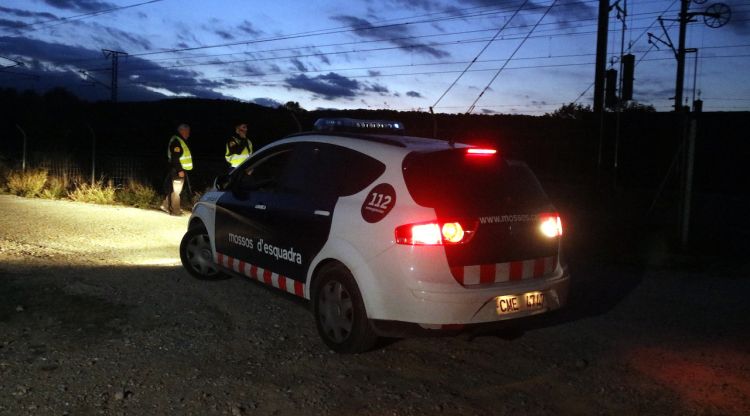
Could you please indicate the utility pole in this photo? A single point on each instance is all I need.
(684, 19)
(115, 56)
(601, 55)
(715, 16)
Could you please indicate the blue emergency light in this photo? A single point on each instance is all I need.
(359, 126)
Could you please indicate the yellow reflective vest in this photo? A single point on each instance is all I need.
(235, 160)
(186, 160)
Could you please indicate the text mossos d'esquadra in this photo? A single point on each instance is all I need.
(279, 253)
(241, 241)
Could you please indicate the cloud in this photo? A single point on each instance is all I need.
(247, 27)
(377, 88)
(12, 25)
(413, 94)
(575, 9)
(80, 5)
(224, 34)
(563, 12)
(57, 65)
(394, 34)
(27, 13)
(427, 5)
(243, 69)
(266, 102)
(329, 86)
(373, 73)
(298, 64)
(739, 26)
(124, 40)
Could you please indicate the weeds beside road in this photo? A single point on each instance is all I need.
(97, 317)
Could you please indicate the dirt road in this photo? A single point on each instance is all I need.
(97, 317)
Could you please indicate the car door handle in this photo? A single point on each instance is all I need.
(322, 213)
(260, 206)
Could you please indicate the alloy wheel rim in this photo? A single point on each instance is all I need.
(199, 255)
(336, 311)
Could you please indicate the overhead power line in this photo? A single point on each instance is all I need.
(61, 20)
(342, 29)
(520, 45)
(318, 54)
(359, 42)
(480, 53)
(668, 8)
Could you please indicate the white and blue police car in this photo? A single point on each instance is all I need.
(382, 231)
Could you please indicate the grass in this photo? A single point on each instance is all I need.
(56, 188)
(137, 195)
(96, 193)
(38, 183)
(28, 184)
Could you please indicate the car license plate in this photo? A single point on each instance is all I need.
(509, 304)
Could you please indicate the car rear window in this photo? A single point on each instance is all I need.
(451, 179)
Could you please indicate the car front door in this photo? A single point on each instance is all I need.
(242, 212)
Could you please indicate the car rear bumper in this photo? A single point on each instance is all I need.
(450, 307)
(473, 306)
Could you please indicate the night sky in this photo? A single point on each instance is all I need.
(389, 54)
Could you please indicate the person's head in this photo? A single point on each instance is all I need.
(241, 129)
(184, 130)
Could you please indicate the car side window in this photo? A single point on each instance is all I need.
(266, 174)
(328, 171)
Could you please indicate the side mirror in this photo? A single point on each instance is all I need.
(222, 182)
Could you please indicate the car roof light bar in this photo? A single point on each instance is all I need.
(359, 126)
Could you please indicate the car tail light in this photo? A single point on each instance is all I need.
(435, 233)
(480, 151)
(550, 225)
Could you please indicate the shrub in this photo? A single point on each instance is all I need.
(137, 195)
(28, 184)
(96, 193)
(56, 188)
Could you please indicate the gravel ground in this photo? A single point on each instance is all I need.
(97, 317)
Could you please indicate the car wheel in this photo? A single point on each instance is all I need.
(340, 312)
(196, 255)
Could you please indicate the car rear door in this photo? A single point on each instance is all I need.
(303, 209)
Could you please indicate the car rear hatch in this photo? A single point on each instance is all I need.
(508, 228)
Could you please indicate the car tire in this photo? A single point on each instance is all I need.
(339, 310)
(196, 255)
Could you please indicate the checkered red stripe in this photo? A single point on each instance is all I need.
(262, 275)
(504, 272)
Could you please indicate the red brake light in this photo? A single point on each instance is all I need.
(428, 234)
(435, 233)
(550, 225)
(480, 151)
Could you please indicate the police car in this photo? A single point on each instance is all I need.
(382, 231)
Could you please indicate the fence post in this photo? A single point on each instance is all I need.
(23, 158)
(688, 189)
(93, 153)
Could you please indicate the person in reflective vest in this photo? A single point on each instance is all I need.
(180, 162)
(238, 147)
